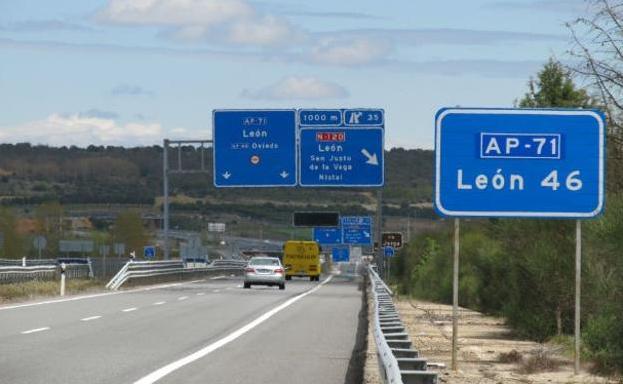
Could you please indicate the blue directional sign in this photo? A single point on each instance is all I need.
(149, 252)
(254, 148)
(389, 251)
(340, 254)
(357, 230)
(328, 235)
(519, 163)
(364, 117)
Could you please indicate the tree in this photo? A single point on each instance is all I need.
(13, 243)
(49, 218)
(129, 229)
(554, 87)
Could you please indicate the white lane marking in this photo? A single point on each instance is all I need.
(218, 277)
(182, 298)
(200, 293)
(169, 368)
(129, 309)
(216, 291)
(161, 286)
(239, 286)
(35, 330)
(159, 303)
(91, 318)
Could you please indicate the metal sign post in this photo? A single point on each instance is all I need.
(541, 163)
(578, 287)
(455, 296)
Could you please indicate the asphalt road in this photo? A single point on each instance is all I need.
(209, 331)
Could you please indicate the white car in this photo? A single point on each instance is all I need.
(264, 270)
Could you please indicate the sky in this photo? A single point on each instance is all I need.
(133, 72)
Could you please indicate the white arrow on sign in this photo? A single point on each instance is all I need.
(366, 234)
(284, 174)
(372, 159)
(226, 175)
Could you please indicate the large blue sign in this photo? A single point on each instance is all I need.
(357, 230)
(340, 255)
(327, 235)
(519, 163)
(341, 148)
(254, 148)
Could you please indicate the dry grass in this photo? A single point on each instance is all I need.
(33, 289)
(511, 357)
(540, 361)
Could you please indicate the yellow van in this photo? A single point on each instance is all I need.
(302, 258)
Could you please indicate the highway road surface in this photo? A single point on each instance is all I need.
(210, 331)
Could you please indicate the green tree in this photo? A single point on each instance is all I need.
(49, 218)
(554, 87)
(13, 242)
(129, 229)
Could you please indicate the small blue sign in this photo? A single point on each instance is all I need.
(357, 230)
(341, 157)
(254, 148)
(364, 117)
(327, 235)
(389, 251)
(340, 255)
(149, 252)
(320, 117)
(519, 163)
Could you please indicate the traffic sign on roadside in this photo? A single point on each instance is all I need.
(340, 254)
(328, 235)
(389, 251)
(149, 252)
(519, 163)
(357, 230)
(254, 148)
(391, 239)
(348, 153)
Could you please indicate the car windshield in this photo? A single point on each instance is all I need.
(271, 262)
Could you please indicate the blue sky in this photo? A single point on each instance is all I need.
(131, 72)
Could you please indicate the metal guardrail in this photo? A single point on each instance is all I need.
(19, 270)
(141, 269)
(399, 361)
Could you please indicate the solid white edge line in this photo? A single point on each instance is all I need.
(169, 368)
(35, 330)
(144, 289)
(91, 318)
(129, 309)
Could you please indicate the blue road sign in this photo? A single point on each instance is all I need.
(328, 235)
(320, 117)
(254, 148)
(340, 254)
(357, 230)
(341, 157)
(519, 163)
(389, 251)
(149, 252)
(364, 117)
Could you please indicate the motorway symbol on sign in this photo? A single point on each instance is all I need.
(389, 251)
(149, 252)
(357, 230)
(254, 148)
(364, 117)
(391, 239)
(340, 254)
(519, 163)
(328, 235)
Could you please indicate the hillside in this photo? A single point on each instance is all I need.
(117, 175)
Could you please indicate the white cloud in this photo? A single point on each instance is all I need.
(351, 51)
(298, 88)
(219, 21)
(80, 130)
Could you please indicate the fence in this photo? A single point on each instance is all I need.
(146, 269)
(18, 273)
(399, 361)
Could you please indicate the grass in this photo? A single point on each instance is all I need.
(33, 289)
(541, 361)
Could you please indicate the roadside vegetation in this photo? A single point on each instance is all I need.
(524, 269)
(36, 289)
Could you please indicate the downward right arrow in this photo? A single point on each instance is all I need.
(372, 159)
